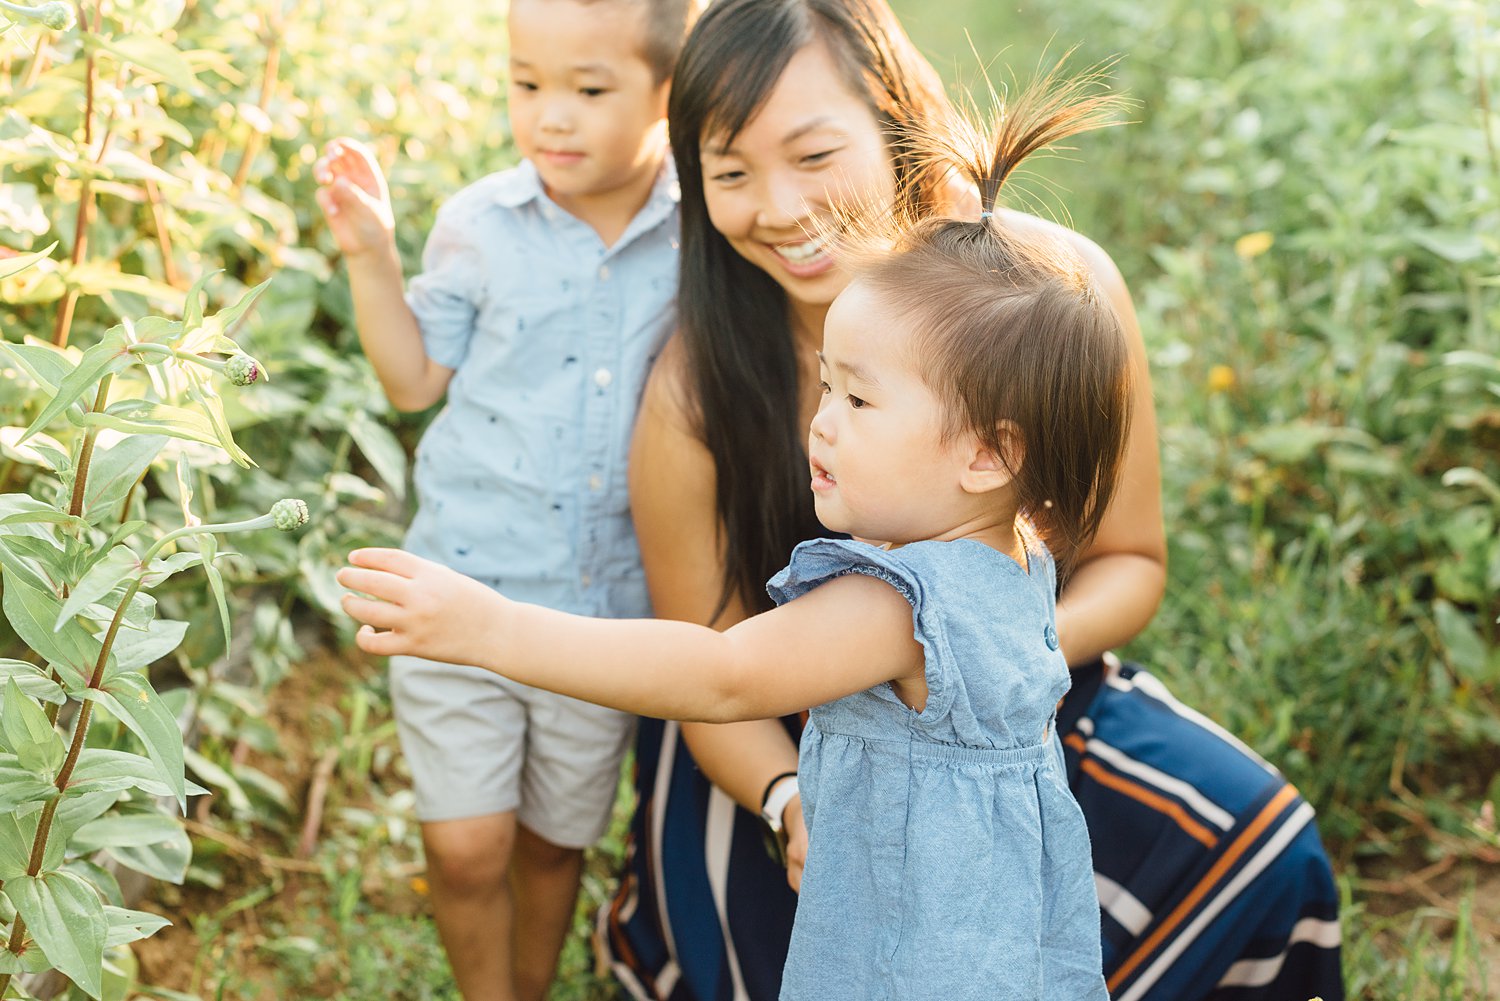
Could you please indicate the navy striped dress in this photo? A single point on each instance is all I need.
(1213, 883)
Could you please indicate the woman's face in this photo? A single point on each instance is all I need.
(813, 147)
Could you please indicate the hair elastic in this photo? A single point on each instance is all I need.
(986, 214)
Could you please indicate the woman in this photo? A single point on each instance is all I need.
(1211, 876)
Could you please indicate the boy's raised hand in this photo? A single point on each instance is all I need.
(353, 196)
(416, 606)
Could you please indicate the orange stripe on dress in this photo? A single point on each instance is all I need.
(1271, 811)
(1157, 802)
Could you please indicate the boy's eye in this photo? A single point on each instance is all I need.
(525, 85)
(592, 91)
(856, 402)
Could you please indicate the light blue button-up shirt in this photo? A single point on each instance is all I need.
(521, 478)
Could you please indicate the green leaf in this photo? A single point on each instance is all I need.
(15, 265)
(115, 470)
(35, 742)
(46, 365)
(192, 308)
(102, 770)
(210, 546)
(118, 566)
(385, 453)
(1461, 642)
(104, 358)
(33, 960)
(71, 651)
(21, 557)
(34, 681)
(213, 409)
(20, 787)
(163, 857)
(218, 778)
(148, 417)
(1456, 245)
(139, 649)
(220, 324)
(66, 920)
(131, 926)
(152, 54)
(130, 699)
(128, 830)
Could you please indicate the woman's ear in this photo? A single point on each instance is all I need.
(990, 469)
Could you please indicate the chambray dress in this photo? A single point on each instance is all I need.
(947, 859)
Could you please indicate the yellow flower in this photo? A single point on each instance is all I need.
(1253, 244)
(1220, 379)
(419, 886)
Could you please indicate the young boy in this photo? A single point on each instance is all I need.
(546, 290)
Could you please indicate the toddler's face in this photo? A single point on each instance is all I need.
(881, 469)
(584, 106)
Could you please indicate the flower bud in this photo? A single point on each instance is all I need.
(57, 16)
(289, 514)
(242, 370)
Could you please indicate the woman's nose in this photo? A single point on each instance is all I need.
(783, 205)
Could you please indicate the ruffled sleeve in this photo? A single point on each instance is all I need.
(821, 560)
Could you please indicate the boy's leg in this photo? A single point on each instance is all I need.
(568, 787)
(544, 886)
(468, 865)
(463, 733)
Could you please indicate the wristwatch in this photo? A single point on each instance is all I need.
(779, 792)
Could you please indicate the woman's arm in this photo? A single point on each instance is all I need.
(672, 496)
(1119, 581)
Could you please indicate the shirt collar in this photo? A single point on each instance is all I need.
(524, 185)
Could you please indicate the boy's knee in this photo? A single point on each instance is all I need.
(464, 856)
(537, 853)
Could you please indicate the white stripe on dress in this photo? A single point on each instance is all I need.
(1145, 682)
(1158, 779)
(1259, 972)
(667, 978)
(1121, 904)
(718, 838)
(1262, 860)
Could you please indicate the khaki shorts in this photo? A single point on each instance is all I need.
(479, 744)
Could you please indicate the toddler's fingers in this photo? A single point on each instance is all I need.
(396, 561)
(375, 583)
(326, 201)
(380, 614)
(380, 644)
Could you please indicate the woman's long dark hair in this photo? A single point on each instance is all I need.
(733, 317)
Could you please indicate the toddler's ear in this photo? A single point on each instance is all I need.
(989, 469)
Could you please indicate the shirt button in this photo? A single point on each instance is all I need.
(1051, 637)
(603, 378)
(596, 482)
(604, 273)
(586, 579)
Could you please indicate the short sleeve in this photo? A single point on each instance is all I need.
(445, 296)
(820, 560)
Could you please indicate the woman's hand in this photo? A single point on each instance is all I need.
(353, 195)
(417, 607)
(795, 826)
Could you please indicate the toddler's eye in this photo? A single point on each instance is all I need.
(824, 388)
(856, 403)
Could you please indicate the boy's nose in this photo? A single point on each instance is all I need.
(555, 119)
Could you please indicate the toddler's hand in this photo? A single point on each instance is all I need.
(353, 195)
(417, 607)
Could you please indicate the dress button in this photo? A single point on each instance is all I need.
(1051, 636)
(603, 378)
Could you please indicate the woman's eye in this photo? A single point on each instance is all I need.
(727, 176)
(818, 157)
(856, 403)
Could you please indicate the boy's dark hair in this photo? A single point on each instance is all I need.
(741, 359)
(667, 25)
(1012, 331)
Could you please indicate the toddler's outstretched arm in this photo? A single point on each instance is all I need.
(353, 195)
(849, 634)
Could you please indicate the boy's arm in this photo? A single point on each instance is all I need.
(849, 634)
(352, 193)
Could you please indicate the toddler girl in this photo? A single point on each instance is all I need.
(975, 407)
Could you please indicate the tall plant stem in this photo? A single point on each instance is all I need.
(86, 188)
(86, 453)
(267, 89)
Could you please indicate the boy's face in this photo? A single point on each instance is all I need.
(585, 107)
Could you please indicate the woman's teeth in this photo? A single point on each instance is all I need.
(800, 253)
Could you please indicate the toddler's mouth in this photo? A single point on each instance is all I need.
(822, 479)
